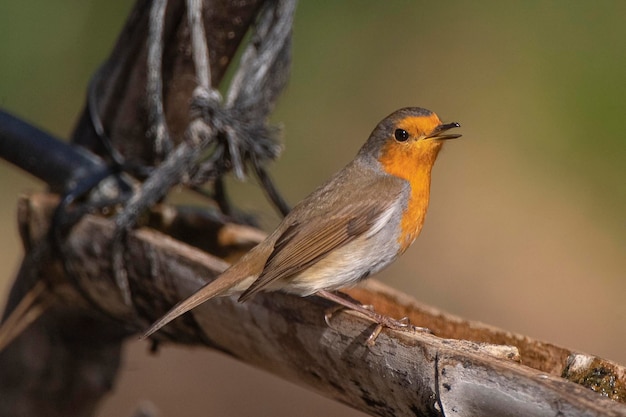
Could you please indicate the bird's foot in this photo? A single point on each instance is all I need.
(382, 321)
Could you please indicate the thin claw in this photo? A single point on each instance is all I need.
(407, 321)
(422, 329)
(371, 340)
(330, 313)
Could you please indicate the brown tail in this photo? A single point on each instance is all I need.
(226, 281)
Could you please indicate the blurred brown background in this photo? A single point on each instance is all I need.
(526, 229)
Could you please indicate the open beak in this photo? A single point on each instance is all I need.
(438, 132)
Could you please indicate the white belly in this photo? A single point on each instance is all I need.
(346, 266)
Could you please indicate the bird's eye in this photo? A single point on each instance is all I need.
(401, 135)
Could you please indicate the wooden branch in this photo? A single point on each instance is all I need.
(463, 368)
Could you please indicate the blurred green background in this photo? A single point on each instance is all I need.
(526, 229)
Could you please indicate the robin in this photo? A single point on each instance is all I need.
(354, 225)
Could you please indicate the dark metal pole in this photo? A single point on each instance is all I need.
(59, 164)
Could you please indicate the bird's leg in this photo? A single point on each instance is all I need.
(367, 311)
(382, 320)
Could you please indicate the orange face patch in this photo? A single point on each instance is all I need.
(419, 125)
(412, 161)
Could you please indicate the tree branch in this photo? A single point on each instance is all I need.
(491, 372)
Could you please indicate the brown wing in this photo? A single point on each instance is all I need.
(304, 244)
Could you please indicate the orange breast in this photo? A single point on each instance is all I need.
(412, 163)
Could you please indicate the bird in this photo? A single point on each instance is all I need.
(355, 224)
